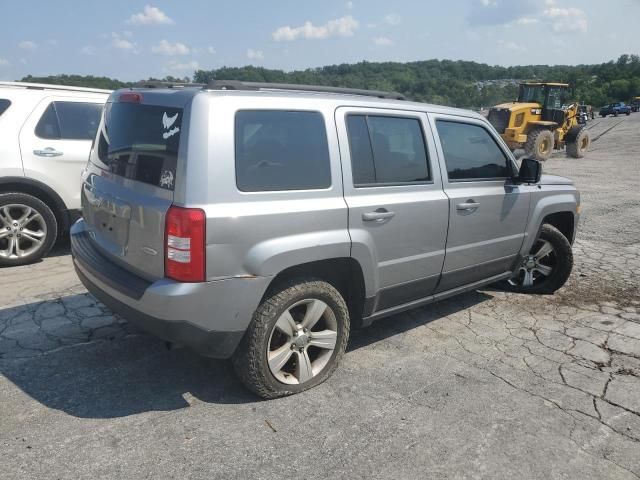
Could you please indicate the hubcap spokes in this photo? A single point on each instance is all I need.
(536, 266)
(22, 231)
(302, 341)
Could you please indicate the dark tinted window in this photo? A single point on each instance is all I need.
(48, 126)
(556, 98)
(386, 150)
(4, 104)
(281, 150)
(78, 121)
(362, 165)
(141, 142)
(470, 152)
(69, 121)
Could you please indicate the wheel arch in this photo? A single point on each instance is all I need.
(564, 222)
(41, 191)
(344, 274)
(557, 209)
(540, 125)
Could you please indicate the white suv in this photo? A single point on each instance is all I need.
(45, 138)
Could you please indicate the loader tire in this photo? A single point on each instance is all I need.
(539, 145)
(579, 146)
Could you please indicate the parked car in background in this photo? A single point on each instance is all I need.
(635, 104)
(45, 138)
(615, 109)
(261, 223)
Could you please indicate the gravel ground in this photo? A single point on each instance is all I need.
(485, 385)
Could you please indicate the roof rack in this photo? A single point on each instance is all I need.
(238, 85)
(48, 86)
(161, 84)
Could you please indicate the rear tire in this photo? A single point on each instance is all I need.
(539, 145)
(284, 351)
(28, 229)
(549, 271)
(578, 147)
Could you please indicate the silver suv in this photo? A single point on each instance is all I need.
(261, 222)
(45, 138)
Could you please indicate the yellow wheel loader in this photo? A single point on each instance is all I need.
(540, 121)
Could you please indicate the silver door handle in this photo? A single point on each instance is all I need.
(377, 216)
(48, 152)
(467, 206)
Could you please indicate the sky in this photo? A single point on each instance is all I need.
(132, 40)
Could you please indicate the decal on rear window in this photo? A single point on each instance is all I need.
(166, 179)
(167, 123)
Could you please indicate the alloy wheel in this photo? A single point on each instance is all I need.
(536, 267)
(22, 231)
(302, 341)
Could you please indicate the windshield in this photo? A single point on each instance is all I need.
(531, 94)
(140, 142)
(556, 98)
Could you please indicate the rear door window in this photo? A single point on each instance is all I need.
(387, 150)
(281, 150)
(4, 105)
(69, 121)
(48, 126)
(78, 120)
(141, 142)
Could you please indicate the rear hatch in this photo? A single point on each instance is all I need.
(131, 176)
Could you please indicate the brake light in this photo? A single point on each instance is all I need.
(185, 244)
(130, 97)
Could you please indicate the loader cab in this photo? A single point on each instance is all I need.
(550, 96)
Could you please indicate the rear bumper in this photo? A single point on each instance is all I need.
(209, 317)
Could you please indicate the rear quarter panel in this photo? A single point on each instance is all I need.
(258, 233)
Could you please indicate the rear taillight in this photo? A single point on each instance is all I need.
(185, 244)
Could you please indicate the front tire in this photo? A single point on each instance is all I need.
(539, 145)
(547, 267)
(579, 146)
(28, 229)
(295, 340)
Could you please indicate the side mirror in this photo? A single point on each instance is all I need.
(530, 171)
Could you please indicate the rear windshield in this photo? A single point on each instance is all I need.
(141, 142)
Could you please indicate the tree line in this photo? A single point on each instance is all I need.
(446, 82)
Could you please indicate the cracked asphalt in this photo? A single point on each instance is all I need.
(486, 385)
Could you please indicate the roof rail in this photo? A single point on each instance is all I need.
(162, 84)
(239, 85)
(48, 86)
